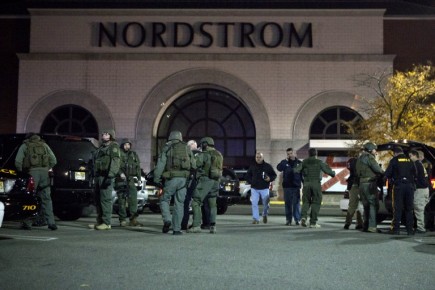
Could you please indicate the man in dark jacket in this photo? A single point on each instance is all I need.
(260, 175)
(312, 169)
(291, 183)
(402, 173)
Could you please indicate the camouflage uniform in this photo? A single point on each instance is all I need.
(39, 173)
(367, 171)
(311, 169)
(125, 185)
(208, 186)
(175, 176)
(106, 167)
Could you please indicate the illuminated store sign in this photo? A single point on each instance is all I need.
(205, 34)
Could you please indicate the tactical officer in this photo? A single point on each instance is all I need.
(421, 195)
(125, 183)
(311, 169)
(174, 165)
(354, 196)
(209, 170)
(106, 167)
(368, 172)
(402, 173)
(35, 157)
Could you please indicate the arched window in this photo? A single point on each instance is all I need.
(330, 123)
(70, 120)
(214, 113)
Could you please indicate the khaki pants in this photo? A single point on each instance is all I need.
(421, 198)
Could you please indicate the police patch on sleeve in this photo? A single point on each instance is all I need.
(115, 150)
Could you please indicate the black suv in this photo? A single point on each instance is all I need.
(72, 188)
(385, 194)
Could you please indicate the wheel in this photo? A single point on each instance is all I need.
(68, 214)
(155, 208)
(222, 208)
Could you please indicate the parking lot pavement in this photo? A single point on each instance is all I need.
(240, 256)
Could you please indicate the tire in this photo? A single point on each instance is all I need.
(155, 208)
(222, 208)
(69, 214)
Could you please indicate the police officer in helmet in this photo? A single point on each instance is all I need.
(173, 165)
(209, 170)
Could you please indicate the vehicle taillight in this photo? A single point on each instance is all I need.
(31, 185)
(432, 182)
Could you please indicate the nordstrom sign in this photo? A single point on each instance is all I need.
(204, 34)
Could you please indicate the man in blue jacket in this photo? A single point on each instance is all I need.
(291, 183)
(260, 175)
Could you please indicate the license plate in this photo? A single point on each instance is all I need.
(2, 186)
(79, 175)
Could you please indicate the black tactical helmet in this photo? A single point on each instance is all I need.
(125, 140)
(207, 140)
(369, 146)
(175, 135)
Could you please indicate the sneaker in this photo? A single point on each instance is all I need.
(166, 226)
(52, 227)
(288, 223)
(297, 223)
(194, 230)
(315, 226)
(212, 229)
(304, 222)
(123, 223)
(255, 222)
(265, 219)
(372, 230)
(103, 227)
(177, 233)
(346, 227)
(205, 227)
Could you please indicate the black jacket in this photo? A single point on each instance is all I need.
(290, 179)
(255, 175)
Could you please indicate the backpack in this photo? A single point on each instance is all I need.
(216, 164)
(36, 155)
(178, 157)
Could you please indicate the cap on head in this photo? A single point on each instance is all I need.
(207, 140)
(175, 135)
(397, 150)
(369, 146)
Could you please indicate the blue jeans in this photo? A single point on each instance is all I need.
(255, 197)
(292, 200)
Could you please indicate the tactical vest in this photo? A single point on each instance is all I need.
(312, 169)
(36, 154)
(102, 159)
(130, 163)
(363, 169)
(214, 164)
(178, 157)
